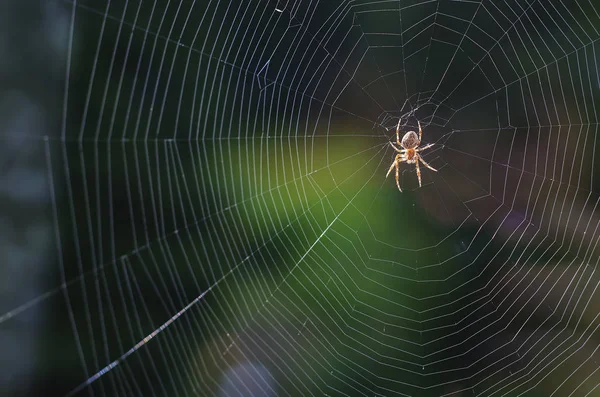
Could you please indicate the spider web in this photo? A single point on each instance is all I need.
(224, 226)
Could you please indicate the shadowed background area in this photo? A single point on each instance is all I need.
(212, 215)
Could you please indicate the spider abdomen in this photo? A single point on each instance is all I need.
(410, 140)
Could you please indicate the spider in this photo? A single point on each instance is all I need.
(409, 152)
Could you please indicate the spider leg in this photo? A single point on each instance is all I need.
(396, 162)
(424, 147)
(398, 150)
(398, 176)
(398, 132)
(418, 170)
(420, 131)
(427, 165)
(392, 167)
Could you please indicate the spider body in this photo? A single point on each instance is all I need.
(409, 152)
(410, 140)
